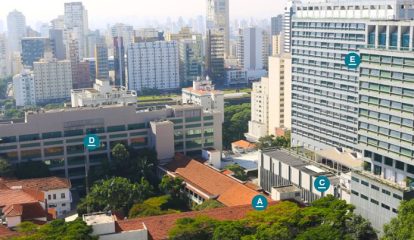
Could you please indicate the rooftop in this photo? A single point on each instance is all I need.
(42, 184)
(228, 191)
(98, 218)
(342, 156)
(19, 196)
(159, 226)
(244, 144)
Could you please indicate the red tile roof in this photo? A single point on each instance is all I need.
(32, 211)
(229, 191)
(159, 226)
(244, 144)
(42, 184)
(13, 210)
(18, 196)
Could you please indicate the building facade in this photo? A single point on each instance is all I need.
(119, 62)
(56, 137)
(215, 57)
(76, 22)
(324, 89)
(250, 49)
(153, 65)
(218, 21)
(276, 26)
(16, 30)
(52, 80)
(24, 89)
(124, 31)
(191, 60)
(101, 62)
(33, 49)
(271, 100)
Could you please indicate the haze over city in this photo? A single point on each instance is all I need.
(137, 13)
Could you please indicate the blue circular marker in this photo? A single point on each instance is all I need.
(322, 184)
(259, 202)
(352, 60)
(91, 142)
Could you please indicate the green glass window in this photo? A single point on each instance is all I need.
(136, 126)
(29, 137)
(207, 118)
(75, 149)
(95, 130)
(193, 125)
(52, 143)
(48, 135)
(10, 139)
(118, 128)
(193, 119)
(53, 151)
(178, 120)
(139, 133)
(29, 145)
(123, 135)
(76, 160)
(70, 133)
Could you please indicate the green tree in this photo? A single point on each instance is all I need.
(171, 186)
(402, 226)
(152, 207)
(25, 170)
(117, 194)
(238, 171)
(120, 157)
(6, 169)
(57, 229)
(236, 118)
(266, 142)
(230, 230)
(200, 228)
(208, 204)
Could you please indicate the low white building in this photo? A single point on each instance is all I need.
(103, 93)
(203, 94)
(56, 191)
(23, 89)
(241, 77)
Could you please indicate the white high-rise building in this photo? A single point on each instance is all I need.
(53, 80)
(218, 21)
(124, 31)
(271, 100)
(287, 23)
(76, 22)
(16, 29)
(4, 61)
(153, 65)
(23, 89)
(251, 45)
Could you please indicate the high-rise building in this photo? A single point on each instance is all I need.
(33, 49)
(153, 65)
(57, 42)
(277, 44)
(251, 49)
(4, 58)
(74, 62)
(52, 80)
(191, 60)
(16, 29)
(218, 21)
(92, 38)
(24, 89)
(324, 90)
(276, 26)
(215, 57)
(184, 33)
(148, 35)
(58, 23)
(119, 62)
(271, 100)
(101, 58)
(124, 31)
(76, 22)
(289, 11)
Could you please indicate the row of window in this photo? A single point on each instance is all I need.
(324, 122)
(329, 25)
(375, 187)
(386, 146)
(383, 205)
(329, 35)
(403, 92)
(387, 132)
(391, 75)
(389, 161)
(406, 62)
(323, 112)
(326, 84)
(404, 107)
(320, 139)
(403, 122)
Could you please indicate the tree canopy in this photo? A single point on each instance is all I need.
(270, 141)
(117, 194)
(401, 227)
(238, 171)
(57, 229)
(327, 218)
(236, 118)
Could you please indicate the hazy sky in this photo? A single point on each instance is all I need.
(134, 11)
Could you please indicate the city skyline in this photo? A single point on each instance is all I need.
(137, 13)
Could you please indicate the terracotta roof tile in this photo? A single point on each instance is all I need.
(13, 210)
(244, 144)
(159, 226)
(32, 211)
(6, 233)
(42, 184)
(10, 197)
(229, 191)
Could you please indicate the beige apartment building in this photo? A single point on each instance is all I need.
(271, 100)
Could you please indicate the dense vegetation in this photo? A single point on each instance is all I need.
(24, 170)
(236, 118)
(401, 227)
(238, 171)
(271, 141)
(57, 229)
(129, 185)
(326, 219)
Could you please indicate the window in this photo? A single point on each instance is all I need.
(54, 196)
(355, 193)
(63, 204)
(364, 183)
(364, 197)
(386, 192)
(374, 187)
(374, 201)
(49, 197)
(62, 195)
(355, 179)
(388, 161)
(385, 206)
(397, 196)
(399, 165)
(116, 128)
